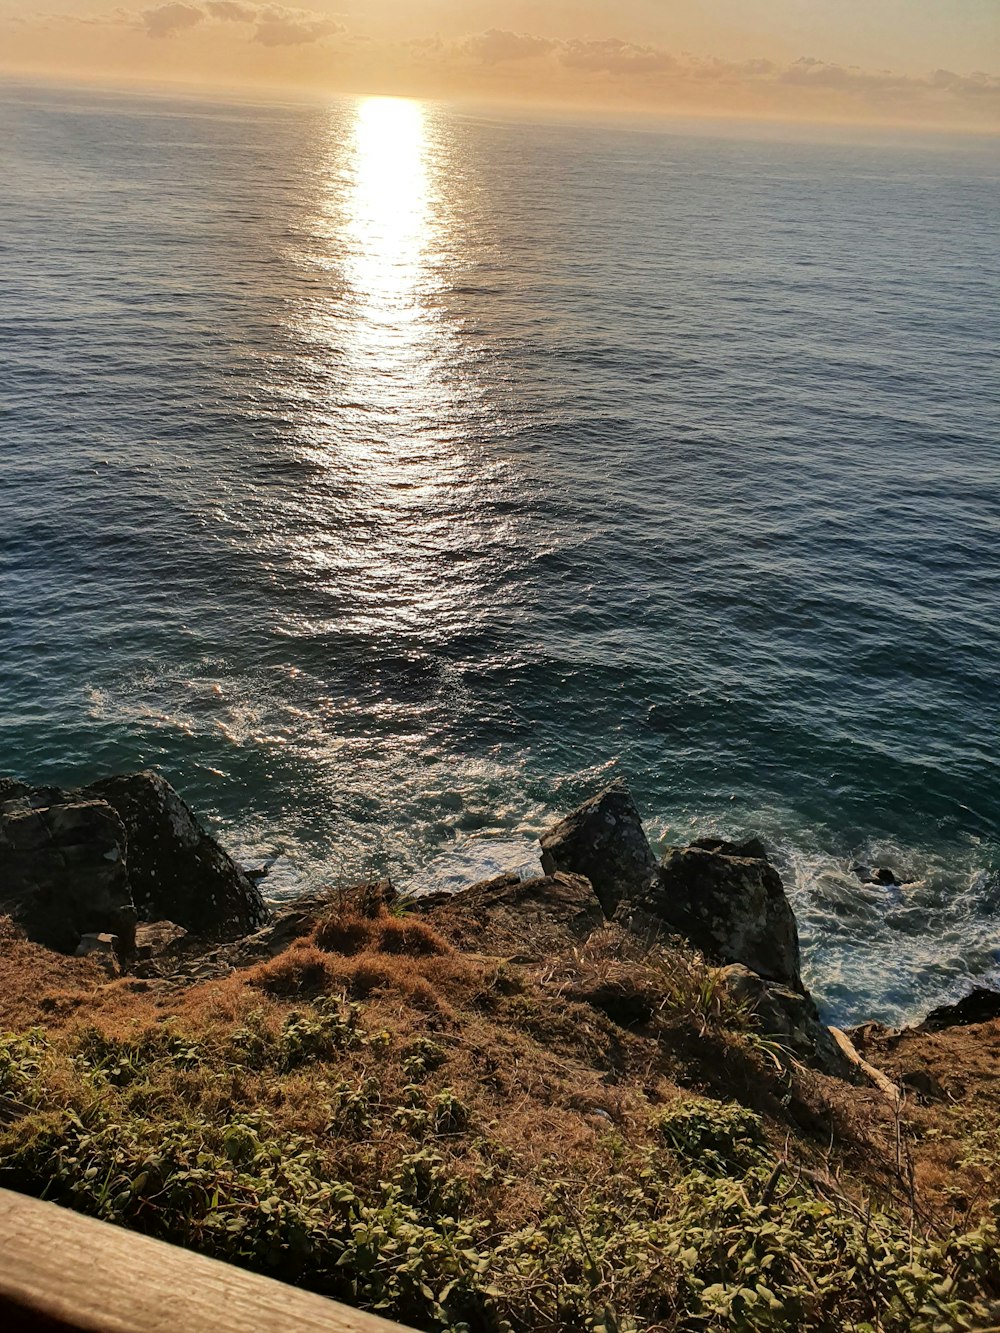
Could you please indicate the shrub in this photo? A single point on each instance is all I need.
(713, 1136)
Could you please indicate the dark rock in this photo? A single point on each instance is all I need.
(979, 1006)
(63, 870)
(97, 942)
(871, 1034)
(751, 847)
(791, 1017)
(730, 906)
(602, 840)
(176, 871)
(156, 937)
(12, 790)
(83, 862)
(882, 875)
(924, 1084)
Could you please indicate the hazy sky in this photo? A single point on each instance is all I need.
(925, 62)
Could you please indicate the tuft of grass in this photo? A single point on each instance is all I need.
(296, 973)
(347, 931)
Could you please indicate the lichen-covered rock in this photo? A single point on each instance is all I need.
(603, 840)
(728, 904)
(63, 871)
(88, 861)
(176, 871)
(791, 1017)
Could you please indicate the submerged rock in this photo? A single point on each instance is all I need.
(729, 902)
(603, 840)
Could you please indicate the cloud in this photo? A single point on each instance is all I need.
(274, 25)
(292, 27)
(497, 46)
(977, 84)
(601, 69)
(612, 56)
(809, 72)
(168, 20)
(232, 11)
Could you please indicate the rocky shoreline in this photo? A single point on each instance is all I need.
(598, 1098)
(122, 870)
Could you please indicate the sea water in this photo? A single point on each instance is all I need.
(392, 476)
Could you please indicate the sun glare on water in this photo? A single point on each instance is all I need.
(390, 397)
(390, 209)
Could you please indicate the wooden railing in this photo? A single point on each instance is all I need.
(61, 1272)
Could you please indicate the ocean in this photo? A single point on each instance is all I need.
(391, 476)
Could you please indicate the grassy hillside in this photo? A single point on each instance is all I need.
(494, 1119)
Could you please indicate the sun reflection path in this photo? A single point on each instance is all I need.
(397, 348)
(389, 210)
(395, 400)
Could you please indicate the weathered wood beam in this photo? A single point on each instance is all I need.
(61, 1272)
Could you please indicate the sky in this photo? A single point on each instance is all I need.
(927, 63)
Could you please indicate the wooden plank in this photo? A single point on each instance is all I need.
(61, 1272)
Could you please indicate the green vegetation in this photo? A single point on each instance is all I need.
(317, 1146)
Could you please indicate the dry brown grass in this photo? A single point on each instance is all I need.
(550, 1056)
(300, 972)
(37, 985)
(950, 1119)
(350, 932)
(360, 955)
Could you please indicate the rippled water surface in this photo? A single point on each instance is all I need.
(390, 477)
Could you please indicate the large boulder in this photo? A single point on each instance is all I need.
(729, 902)
(75, 863)
(63, 868)
(175, 870)
(603, 840)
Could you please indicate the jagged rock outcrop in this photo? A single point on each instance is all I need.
(176, 871)
(724, 897)
(603, 840)
(979, 1006)
(90, 861)
(63, 871)
(729, 902)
